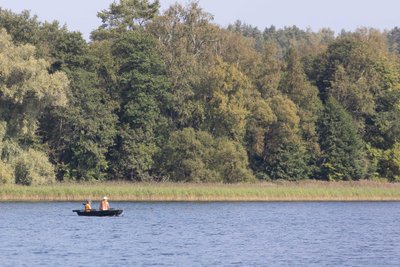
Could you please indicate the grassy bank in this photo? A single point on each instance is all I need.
(278, 191)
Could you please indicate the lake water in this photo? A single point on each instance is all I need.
(202, 234)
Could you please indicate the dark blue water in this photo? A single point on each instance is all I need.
(202, 234)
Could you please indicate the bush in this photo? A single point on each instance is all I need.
(232, 162)
(389, 163)
(33, 168)
(263, 177)
(6, 173)
(196, 156)
(9, 151)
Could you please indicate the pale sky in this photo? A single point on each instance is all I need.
(80, 15)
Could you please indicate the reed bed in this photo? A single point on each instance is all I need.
(277, 191)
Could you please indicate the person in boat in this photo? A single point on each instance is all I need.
(88, 207)
(104, 205)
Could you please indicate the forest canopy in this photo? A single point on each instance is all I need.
(172, 96)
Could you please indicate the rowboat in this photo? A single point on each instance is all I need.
(99, 213)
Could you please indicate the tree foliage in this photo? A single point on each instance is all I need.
(141, 86)
(196, 156)
(172, 96)
(26, 90)
(343, 152)
(128, 14)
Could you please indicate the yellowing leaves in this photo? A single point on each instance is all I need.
(285, 110)
(24, 77)
(26, 87)
(227, 104)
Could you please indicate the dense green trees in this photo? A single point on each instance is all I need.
(343, 152)
(141, 86)
(26, 90)
(196, 156)
(173, 97)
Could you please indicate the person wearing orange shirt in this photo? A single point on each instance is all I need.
(88, 207)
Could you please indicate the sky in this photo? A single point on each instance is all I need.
(80, 15)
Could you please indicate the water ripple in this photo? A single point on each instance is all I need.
(202, 234)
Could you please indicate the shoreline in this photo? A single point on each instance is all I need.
(207, 201)
(281, 191)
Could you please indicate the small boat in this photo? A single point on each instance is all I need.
(99, 213)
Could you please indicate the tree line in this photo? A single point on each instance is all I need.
(172, 96)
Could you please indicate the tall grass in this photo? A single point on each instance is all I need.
(278, 191)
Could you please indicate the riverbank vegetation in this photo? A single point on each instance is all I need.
(260, 191)
(172, 97)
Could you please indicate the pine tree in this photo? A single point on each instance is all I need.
(296, 86)
(343, 154)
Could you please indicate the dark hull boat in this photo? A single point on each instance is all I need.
(99, 213)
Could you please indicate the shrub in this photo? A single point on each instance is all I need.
(6, 173)
(389, 163)
(9, 151)
(232, 162)
(33, 168)
(196, 156)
